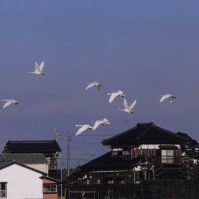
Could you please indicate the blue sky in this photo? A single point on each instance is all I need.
(144, 48)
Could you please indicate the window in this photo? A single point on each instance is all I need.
(52, 162)
(50, 188)
(126, 155)
(167, 156)
(3, 190)
(148, 152)
(117, 152)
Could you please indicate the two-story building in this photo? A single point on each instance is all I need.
(49, 148)
(144, 152)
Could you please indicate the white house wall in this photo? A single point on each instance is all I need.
(22, 183)
(40, 167)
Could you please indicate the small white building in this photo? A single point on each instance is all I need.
(20, 181)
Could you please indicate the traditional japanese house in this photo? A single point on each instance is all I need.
(144, 152)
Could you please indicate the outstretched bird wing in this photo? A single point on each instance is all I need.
(82, 128)
(164, 97)
(97, 123)
(9, 102)
(41, 66)
(132, 105)
(90, 85)
(37, 67)
(113, 96)
(125, 104)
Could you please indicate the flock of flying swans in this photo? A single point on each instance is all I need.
(104, 122)
(127, 109)
(84, 127)
(38, 71)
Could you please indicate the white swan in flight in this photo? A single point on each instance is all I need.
(96, 84)
(103, 122)
(128, 109)
(38, 69)
(9, 102)
(83, 128)
(114, 95)
(167, 96)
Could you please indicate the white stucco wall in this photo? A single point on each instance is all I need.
(22, 182)
(40, 167)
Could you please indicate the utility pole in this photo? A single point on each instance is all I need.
(68, 153)
(61, 178)
(55, 133)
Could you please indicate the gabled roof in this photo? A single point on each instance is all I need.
(106, 161)
(33, 158)
(32, 146)
(5, 164)
(147, 133)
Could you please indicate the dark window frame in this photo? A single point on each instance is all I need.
(3, 189)
(49, 188)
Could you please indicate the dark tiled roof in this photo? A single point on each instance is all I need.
(5, 163)
(32, 146)
(186, 137)
(147, 133)
(33, 158)
(106, 161)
